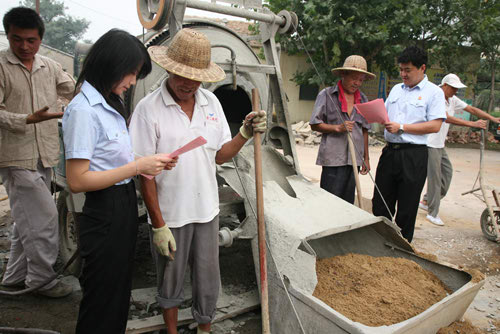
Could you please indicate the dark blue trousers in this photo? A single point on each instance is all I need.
(401, 174)
(339, 181)
(107, 235)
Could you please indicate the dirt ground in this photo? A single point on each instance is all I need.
(460, 242)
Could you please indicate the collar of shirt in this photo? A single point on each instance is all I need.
(420, 85)
(94, 97)
(12, 58)
(200, 98)
(333, 89)
(333, 93)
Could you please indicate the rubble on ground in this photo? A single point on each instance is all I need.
(467, 137)
(305, 136)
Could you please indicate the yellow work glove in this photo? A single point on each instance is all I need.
(164, 241)
(254, 121)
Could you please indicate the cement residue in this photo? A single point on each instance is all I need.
(430, 257)
(460, 327)
(477, 276)
(376, 291)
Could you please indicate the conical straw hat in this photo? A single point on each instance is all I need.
(355, 63)
(188, 56)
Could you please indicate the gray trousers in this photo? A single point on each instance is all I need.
(439, 173)
(198, 247)
(35, 235)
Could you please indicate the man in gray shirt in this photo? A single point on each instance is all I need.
(334, 114)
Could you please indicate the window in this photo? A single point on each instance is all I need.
(308, 92)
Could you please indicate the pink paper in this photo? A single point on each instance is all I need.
(373, 111)
(197, 142)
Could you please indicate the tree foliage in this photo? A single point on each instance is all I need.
(331, 30)
(485, 35)
(62, 31)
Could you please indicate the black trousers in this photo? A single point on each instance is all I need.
(401, 174)
(339, 181)
(108, 233)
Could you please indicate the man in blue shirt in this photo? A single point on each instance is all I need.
(416, 108)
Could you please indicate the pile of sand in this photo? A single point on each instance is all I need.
(464, 327)
(376, 291)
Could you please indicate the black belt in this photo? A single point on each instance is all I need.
(400, 146)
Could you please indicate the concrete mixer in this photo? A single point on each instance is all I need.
(303, 222)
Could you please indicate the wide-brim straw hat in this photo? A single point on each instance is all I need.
(188, 56)
(357, 64)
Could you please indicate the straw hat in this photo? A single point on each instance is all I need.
(188, 56)
(354, 63)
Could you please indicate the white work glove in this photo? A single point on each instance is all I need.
(164, 241)
(201, 331)
(253, 122)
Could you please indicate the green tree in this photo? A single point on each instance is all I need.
(331, 30)
(62, 31)
(379, 30)
(485, 36)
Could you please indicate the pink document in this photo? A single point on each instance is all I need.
(373, 111)
(197, 142)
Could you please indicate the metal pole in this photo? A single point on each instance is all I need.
(264, 293)
(245, 13)
(38, 7)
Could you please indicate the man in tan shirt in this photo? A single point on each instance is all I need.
(29, 146)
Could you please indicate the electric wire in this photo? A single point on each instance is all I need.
(358, 152)
(101, 13)
(45, 282)
(269, 250)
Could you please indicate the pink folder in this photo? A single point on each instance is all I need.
(373, 111)
(197, 142)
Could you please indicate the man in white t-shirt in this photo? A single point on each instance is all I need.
(439, 168)
(183, 206)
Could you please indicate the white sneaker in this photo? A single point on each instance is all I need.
(435, 220)
(423, 206)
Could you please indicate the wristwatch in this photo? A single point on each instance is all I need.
(401, 129)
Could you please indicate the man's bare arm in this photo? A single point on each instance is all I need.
(481, 114)
(230, 149)
(332, 128)
(150, 196)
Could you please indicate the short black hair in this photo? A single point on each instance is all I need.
(24, 18)
(413, 54)
(115, 55)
